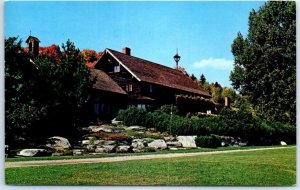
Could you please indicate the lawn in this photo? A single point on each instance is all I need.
(257, 168)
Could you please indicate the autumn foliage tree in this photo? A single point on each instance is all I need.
(265, 61)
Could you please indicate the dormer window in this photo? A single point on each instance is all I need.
(117, 69)
(129, 87)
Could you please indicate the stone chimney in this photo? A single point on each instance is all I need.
(126, 51)
(227, 101)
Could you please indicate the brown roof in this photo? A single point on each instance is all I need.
(32, 37)
(105, 83)
(151, 72)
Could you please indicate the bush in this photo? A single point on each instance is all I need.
(211, 141)
(132, 116)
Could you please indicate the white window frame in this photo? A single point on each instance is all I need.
(117, 68)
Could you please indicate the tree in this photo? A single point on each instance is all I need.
(45, 96)
(202, 79)
(193, 77)
(229, 92)
(265, 61)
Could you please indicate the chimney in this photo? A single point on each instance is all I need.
(126, 51)
(227, 101)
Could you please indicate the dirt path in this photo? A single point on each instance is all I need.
(124, 158)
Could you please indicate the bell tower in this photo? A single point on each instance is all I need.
(33, 45)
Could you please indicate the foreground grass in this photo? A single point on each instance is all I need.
(17, 159)
(257, 168)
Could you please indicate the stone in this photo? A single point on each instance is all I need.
(94, 128)
(33, 152)
(77, 152)
(85, 142)
(109, 142)
(135, 128)
(58, 142)
(98, 142)
(122, 149)
(99, 150)
(282, 143)
(169, 139)
(158, 144)
(116, 122)
(91, 148)
(138, 143)
(109, 148)
(107, 130)
(173, 148)
(174, 144)
(135, 150)
(187, 141)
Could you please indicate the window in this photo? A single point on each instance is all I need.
(117, 68)
(129, 87)
(141, 106)
(151, 88)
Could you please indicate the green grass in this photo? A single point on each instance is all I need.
(257, 168)
(17, 159)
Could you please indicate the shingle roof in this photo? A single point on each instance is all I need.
(105, 83)
(154, 73)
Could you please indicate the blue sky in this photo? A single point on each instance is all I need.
(202, 31)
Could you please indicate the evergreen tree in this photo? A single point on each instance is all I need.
(202, 79)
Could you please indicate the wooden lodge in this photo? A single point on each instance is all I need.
(123, 80)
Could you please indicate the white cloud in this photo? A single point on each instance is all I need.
(214, 63)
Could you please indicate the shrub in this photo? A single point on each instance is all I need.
(132, 116)
(211, 141)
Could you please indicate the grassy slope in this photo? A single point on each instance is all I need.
(259, 168)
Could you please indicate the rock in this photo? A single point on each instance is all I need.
(138, 143)
(158, 144)
(77, 152)
(58, 142)
(149, 149)
(223, 144)
(135, 150)
(109, 148)
(91, 148)
(94, 128)
(173, 148)
(99, 142)
(107, 130)
(122, 149)
(187, 141)
(169, 139)
(85, 142)
(99, 150)
(174, 144)
(115, 122)
(243, 144)
(33, 152)
(135, 128)
(109, 142)
(282, 143)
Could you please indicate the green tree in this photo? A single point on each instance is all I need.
(44, 96)
(265, 61)
(202, 79)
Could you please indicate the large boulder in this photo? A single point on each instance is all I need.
(123, 148)
(138, 143)
(33, 152)
(109, 148)
(187, 141)
(58, 142)
(158, 144)
(116, 122)
(174, 144)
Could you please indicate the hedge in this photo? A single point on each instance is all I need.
(228, 123)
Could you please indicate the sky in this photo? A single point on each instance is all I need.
(202, 31)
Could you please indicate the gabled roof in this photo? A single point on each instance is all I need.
(154, 73)
(105, 83)
(32, 37)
